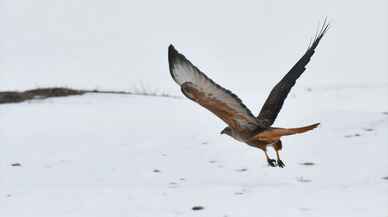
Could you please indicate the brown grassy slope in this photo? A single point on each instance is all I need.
(43, 93)
(39, 93)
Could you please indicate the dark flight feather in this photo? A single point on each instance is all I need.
(275, 100)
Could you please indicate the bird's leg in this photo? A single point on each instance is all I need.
(278, 146)
(279, 162)
(270, 161)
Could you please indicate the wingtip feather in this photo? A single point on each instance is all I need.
(171, 48)
(319, 34)
(172, 54)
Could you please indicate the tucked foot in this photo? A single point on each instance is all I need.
(271, 162)
(280, 163)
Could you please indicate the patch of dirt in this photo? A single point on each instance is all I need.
(52, 92)
(16, 164)
(11, 97)
(196, 208)
(43, 93)
(307, 163)
(352, 135)
(39, 93)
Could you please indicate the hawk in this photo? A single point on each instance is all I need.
(242, 124)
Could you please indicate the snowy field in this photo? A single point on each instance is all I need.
(112, 155)
(137, 156)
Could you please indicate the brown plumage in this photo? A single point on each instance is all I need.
(242, 125)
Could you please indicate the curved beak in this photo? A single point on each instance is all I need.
(222, 132)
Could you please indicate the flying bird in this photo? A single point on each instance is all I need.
(242, 124)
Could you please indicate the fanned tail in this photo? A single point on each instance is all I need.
(291, 131)
(275, 134)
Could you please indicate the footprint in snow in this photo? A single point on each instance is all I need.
(241, 192)
(173, 185)
(303, 180)
(242, 170)
(307, 164)
(214, 161)
(352, 135)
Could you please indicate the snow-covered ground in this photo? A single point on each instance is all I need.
(116, 155)
(122, 155)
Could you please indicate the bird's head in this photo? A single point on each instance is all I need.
(227, 131)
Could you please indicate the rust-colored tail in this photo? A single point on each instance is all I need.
(274, 134)
(291, 131)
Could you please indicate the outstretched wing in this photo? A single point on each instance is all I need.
(198, 87)
(275, 100)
